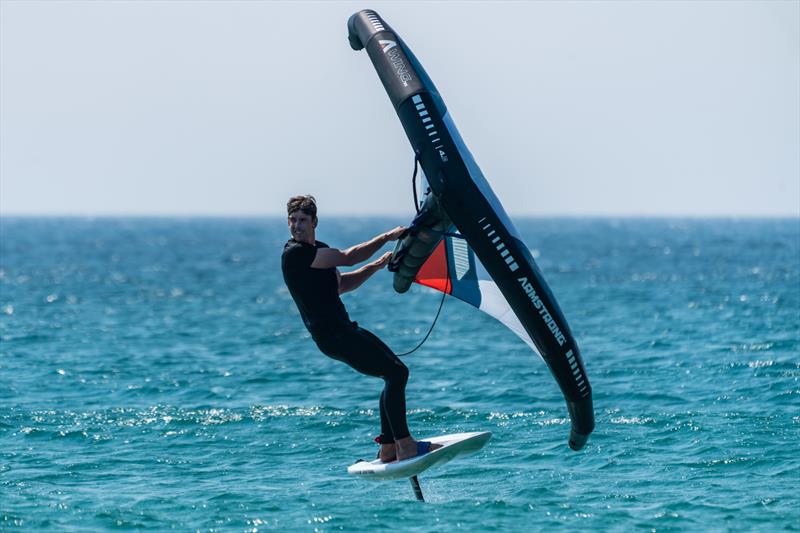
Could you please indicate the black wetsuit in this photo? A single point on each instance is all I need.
(316, 293)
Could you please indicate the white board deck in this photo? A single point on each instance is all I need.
(452, 446)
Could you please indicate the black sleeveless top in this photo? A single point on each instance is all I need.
(314, 290)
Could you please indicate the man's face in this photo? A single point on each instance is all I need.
(301, 226)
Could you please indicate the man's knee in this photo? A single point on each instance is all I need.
(398, 373)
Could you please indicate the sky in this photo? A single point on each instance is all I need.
(228, 108)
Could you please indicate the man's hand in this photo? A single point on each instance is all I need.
(383, 261)
(393, 235)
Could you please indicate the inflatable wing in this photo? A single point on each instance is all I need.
(508, 284)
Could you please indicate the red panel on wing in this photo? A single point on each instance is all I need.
(433, 273)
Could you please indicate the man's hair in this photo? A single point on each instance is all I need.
(307, 204)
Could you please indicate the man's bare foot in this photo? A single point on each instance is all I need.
(407, 448)
(388, 453)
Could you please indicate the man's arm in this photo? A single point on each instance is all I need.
(350, 281)
(331, 257)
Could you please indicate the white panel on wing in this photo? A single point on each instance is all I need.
(494, 304)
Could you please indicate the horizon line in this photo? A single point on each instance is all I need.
(663, 216)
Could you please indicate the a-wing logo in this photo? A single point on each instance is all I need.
(387, 45)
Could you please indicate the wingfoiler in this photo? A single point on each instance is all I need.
(485, 264)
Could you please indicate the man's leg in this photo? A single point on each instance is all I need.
(395, 400)
(367, 354)
(388, 453)
(393, 397)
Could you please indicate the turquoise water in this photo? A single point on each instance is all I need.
(156, 375)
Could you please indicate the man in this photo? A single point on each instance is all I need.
(311, 274)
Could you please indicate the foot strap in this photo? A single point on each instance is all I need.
(423, 447)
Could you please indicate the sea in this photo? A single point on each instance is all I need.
(155, 375)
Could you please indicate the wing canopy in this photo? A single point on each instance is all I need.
(453, 269)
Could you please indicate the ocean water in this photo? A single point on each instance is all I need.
(155, 375)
